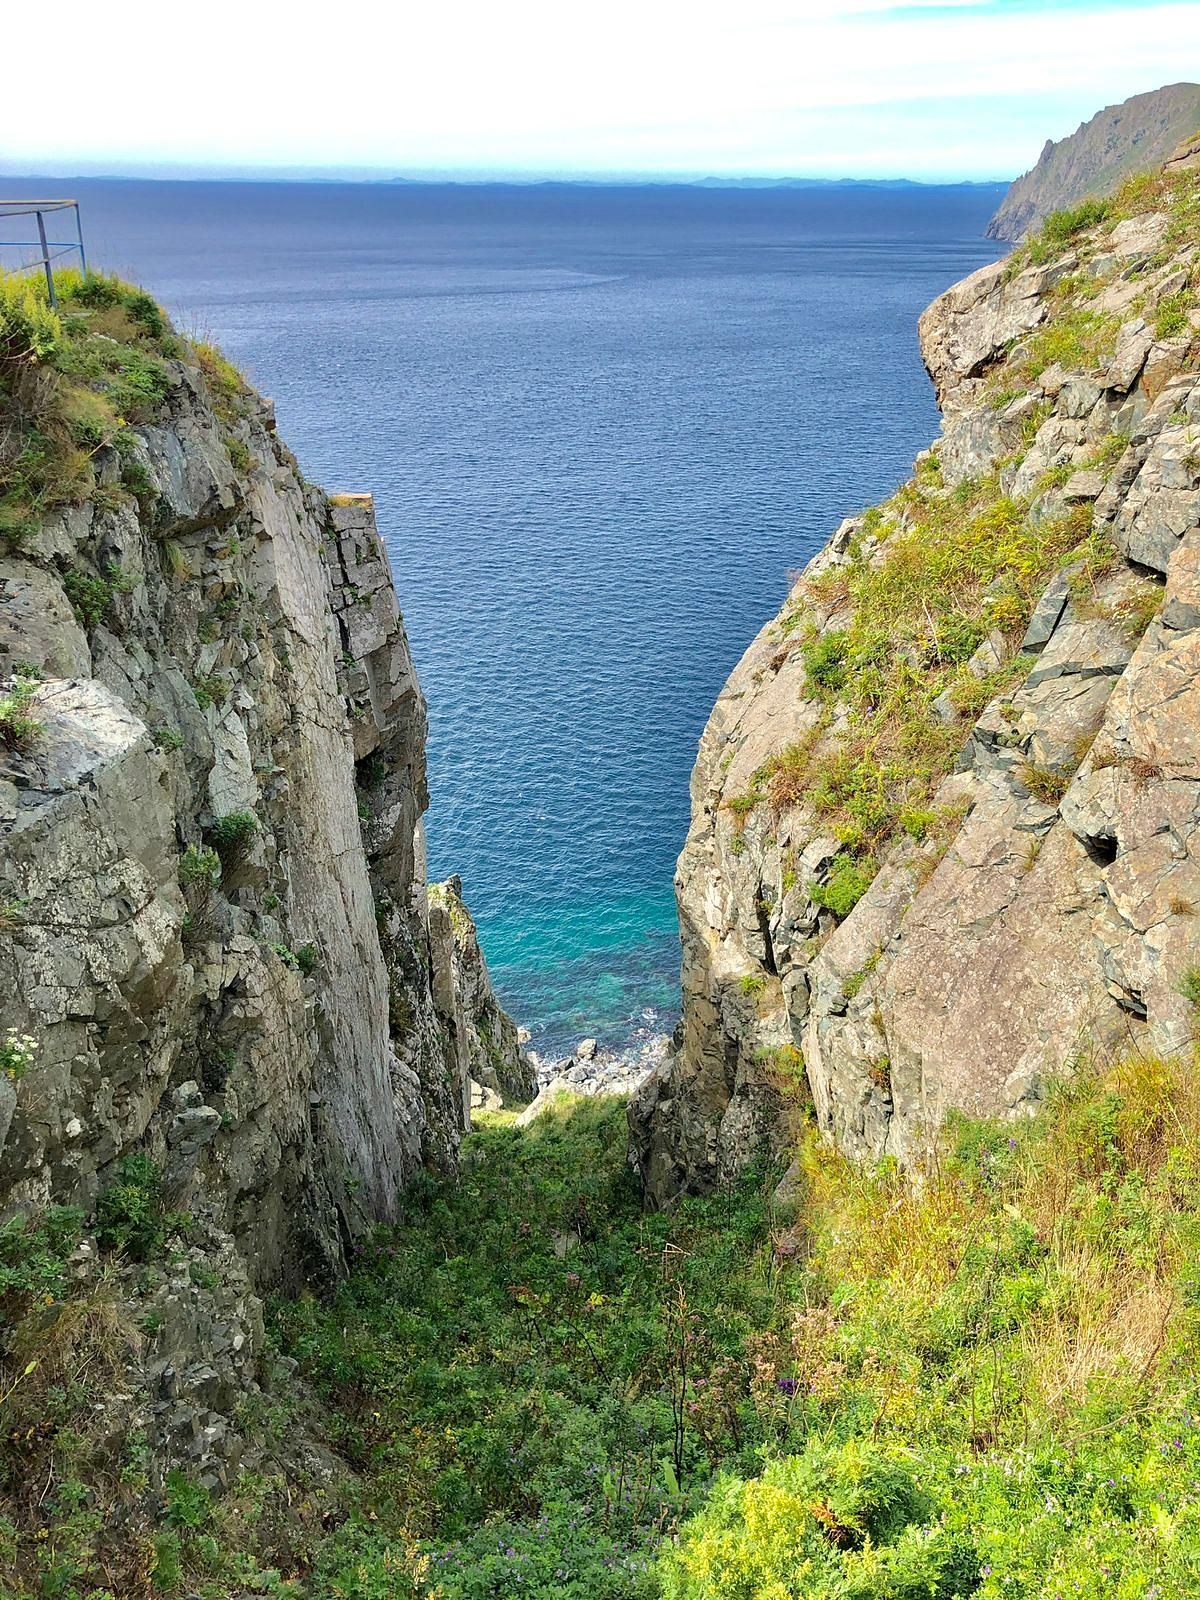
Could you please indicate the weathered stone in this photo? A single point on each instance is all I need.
(1057, 917)
(287, 1036)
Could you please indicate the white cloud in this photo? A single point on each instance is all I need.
(773, 85)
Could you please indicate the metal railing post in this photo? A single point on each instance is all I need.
(41, 225)
(48, 249)
(79, 234)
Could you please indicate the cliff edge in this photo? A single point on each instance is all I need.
(945, 826)
(1135, 136)
(231, 1019)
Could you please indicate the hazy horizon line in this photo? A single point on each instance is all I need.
(189, 173)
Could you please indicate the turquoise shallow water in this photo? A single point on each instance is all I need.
(601, 425)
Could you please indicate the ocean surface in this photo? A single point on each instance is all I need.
(601, 425)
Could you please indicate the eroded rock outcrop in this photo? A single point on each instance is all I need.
(946, 812)
(215, 925)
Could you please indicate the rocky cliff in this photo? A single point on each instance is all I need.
(1135, 136)
(946, 812)
(226, 998)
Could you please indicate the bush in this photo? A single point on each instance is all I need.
(199, 867)
(18, 728)
(848, 881)
(129, 1214)
(231, 835)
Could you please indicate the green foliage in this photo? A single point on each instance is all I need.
(997, 1368)
(520, 1369)
(71, 382)
(226, 386)
(129, 1213)
(1062, 228)
(209, 689)
(199, 867)
(825, 663)
(91, 596)
(1171, 314)
(845, 886)
(239, 454)
(232, 833)
(33, 1256)
(18, 727)
(168, 739)
(187, 1502)
(751, 984)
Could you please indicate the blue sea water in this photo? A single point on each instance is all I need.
(601, 425)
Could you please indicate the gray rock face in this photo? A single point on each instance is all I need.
(271, 1008)
(1056, 913)
(1135, 136)
(489, 1047)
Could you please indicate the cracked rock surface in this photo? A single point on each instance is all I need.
(1058, 911)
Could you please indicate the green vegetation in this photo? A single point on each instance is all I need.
(18, 727)
(91, 596)
(955, 566)
(199, 867)
(71, 383)
(981, 1386)
(534, 1377)
(233, 832)
(1062, 228)
(886, 639)
(129, 1214)
(848, 881)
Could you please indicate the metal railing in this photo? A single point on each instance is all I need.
(49, 250)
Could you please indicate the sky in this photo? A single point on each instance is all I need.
(928, 89)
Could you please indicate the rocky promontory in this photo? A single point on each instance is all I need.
(945, 836)
(1135, 136)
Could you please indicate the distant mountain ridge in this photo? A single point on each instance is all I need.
(1135, 136)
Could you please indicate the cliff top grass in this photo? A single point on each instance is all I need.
(76, 380)
(72, 381)
(1175, 195)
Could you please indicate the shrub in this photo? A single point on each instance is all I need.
(33, 1257)
(18, 728)
(825, 663)
(91, 596)
(231, 835)
(848, 881)
(198, 867)
(209, 689)
(129, 1214)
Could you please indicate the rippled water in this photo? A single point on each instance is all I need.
(601, 425)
